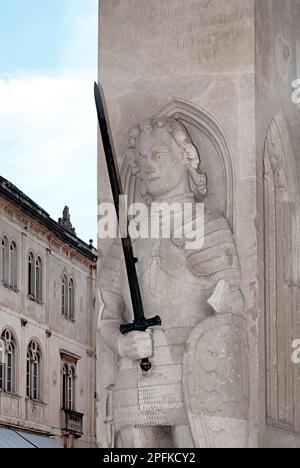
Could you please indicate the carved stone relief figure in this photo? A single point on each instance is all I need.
(282, 250)
(196, 393)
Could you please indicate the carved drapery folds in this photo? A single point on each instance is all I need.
(282, 276)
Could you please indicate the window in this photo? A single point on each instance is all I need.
(68, 298)
(8, 263)
(4, 261)
(33, 372)
(35, 278)
(64, 296)
(7, 362)
(2, 364)
(31, 275)
(68, 391)
(13, 265)
(71, 299)
(39, 279)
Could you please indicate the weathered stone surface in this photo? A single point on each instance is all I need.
(26, 319)
(278, 140)
(184, 285)
(225, 72)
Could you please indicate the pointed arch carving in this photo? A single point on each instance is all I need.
(282, 275)
(214, 151)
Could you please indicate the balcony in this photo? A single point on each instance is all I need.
(36, 412)
(10, 405)
(73, 423)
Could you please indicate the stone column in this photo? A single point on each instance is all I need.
(196, 61)
(277, 154)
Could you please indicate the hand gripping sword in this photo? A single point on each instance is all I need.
(140, 322)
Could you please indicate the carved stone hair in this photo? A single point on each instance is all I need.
(180, 135)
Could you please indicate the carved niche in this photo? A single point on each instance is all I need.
(282, 276)
(216, 162)
(214, 153)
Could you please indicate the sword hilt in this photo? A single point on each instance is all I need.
(141, 325)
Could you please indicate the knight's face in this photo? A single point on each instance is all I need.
(161, 164)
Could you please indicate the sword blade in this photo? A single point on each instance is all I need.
(116, 188)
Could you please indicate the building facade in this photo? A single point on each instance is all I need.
(226, 71)
(47, 325)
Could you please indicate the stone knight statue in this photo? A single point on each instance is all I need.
(196, 392)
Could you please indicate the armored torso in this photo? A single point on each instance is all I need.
(176, 285)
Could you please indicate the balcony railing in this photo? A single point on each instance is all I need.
(73, 422)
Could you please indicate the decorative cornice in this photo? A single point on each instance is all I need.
(34, 211)
(69, 355)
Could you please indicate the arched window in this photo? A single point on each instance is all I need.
(35, 278)
(13, 265)
(31, 275)
(4, 261)
(33, 372)
(71, 299)
(39, 279)
(8, 362)
(68, 297)
(69, 377)
(64, 296)
(2, 364)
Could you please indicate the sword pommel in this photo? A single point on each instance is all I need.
(142, 325)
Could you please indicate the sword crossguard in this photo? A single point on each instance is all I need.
(141, 325)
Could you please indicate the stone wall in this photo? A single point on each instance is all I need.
(278, 159)
(225, 69)
(45, 323)
(176, 58)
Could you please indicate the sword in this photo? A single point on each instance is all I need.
(140, 323)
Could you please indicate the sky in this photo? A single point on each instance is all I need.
(48, 126)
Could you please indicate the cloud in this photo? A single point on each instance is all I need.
(48, 136)
(48, 126)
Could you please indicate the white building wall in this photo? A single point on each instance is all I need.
(46, 324)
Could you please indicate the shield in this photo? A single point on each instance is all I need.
(215, 382)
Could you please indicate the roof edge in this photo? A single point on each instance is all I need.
(32, 209)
